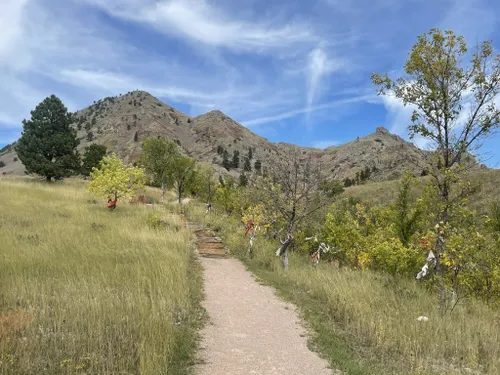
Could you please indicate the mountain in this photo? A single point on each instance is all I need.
(122, 122)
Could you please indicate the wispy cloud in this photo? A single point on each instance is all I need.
(12, 31)
(112, 83)
(319, 67)
(291, 114)
(202, 22)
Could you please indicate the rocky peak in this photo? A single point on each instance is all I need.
(382, 130)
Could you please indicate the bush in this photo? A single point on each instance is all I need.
(155, 222)
(2, 164)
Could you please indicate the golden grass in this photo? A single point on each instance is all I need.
(366, 322)
(88, 291)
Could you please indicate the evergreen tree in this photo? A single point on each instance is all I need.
(362, 176)
(250, 153)
(48, 144)
(225, 160)
(258, 165)
(247, 166)
(236, 159)
(243, 180)
(91, 158)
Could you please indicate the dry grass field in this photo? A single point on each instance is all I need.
(88, 291)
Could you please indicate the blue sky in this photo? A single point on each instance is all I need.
(294, 71)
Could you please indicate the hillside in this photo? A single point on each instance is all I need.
(385, 192)
(122, 122)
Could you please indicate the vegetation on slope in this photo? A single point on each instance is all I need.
(365, 322)
(87, 290)
(385, 192)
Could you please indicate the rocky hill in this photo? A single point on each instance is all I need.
(122, 122)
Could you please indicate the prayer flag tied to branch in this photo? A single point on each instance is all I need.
(250, 225)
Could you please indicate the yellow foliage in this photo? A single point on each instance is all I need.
(115, 180)
(259, 215)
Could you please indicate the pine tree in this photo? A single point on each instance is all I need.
(243, 180)
(91, 158)
(236, 159)
(48, 144)
(247, 166)
(257, 165)
(225, 160)
(250, 153)
(362, 176)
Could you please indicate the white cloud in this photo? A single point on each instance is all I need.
(319, 66)
(199, 21)
(399, 115)
(11, 19)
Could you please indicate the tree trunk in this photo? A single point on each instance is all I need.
(440, 246)
(162, 192)
(179, 193)
(439, 270)
(284, 251)
(284, 259)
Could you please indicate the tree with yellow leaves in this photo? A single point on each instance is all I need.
(114, 180)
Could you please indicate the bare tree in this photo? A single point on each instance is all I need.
(295, 190)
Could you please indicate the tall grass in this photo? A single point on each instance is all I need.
(88, 291)
(366, 322)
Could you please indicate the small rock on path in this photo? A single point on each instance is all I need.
(251, 331)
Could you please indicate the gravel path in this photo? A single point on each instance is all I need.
(251, 331)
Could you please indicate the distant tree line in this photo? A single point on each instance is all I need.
(361, 176)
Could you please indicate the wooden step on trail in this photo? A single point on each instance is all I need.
(208, 239)
(208, 244)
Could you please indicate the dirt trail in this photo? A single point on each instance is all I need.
(250, 330)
